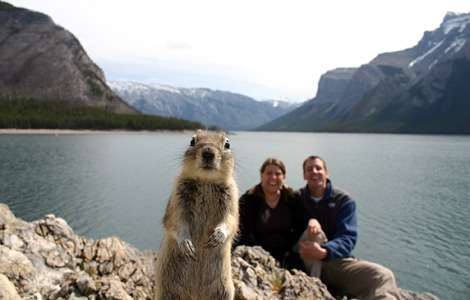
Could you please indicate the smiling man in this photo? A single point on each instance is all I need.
(320, 207)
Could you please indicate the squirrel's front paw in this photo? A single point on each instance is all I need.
(188, 249)
(217, 238)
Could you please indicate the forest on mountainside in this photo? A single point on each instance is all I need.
(47, 114)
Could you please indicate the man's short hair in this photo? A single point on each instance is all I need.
(312, 157)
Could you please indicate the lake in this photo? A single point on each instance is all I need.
(412, 191)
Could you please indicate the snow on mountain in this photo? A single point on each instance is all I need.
(226, 110)
(422, 89)
(453, 20)
(282, 103)
(165, 88)
(451, 36)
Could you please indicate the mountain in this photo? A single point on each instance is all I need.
(423, 89)
(43, 61)
(226, 110)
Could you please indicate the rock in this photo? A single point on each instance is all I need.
(114, 289)
(45, 260)
(7, 289)
(256, 277)
(409, 295)
(85, 283)
(6, 216)
(43, 61)
(14, 264)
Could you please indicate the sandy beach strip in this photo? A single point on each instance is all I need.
(71, 131)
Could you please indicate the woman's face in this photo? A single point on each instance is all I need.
(272, 179)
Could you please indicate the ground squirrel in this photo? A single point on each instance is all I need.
(201, 221)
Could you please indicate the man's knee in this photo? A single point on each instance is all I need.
(385, 274)
(362, 279)
(385, 285)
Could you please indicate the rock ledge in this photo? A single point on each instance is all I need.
(45, 260)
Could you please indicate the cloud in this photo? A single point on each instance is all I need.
(264, 49)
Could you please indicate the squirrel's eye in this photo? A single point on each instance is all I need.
(193, 142)
(227, 144)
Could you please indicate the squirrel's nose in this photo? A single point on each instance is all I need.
(207, 153)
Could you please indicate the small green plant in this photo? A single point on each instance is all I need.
(277, 279)
(91, 271)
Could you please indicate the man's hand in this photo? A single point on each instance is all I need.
(313, 228)
(312, 250)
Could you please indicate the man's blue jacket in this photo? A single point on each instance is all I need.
(336, 212)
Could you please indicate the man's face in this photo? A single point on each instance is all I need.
(315, 173)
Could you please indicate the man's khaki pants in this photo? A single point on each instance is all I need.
(363, 279)
(360, 278)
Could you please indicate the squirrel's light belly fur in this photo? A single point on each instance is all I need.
(201, 221)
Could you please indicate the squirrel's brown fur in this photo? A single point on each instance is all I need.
(200, 223)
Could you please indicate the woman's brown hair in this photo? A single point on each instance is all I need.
(273, 161)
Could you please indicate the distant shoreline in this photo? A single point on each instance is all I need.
(71, 131)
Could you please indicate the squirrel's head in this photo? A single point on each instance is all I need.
(208, 156)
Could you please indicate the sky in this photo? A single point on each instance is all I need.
(262, 49)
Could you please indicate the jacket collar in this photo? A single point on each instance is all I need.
(286, 192)
(328, 191)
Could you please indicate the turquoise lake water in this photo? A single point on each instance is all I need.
(413, 191)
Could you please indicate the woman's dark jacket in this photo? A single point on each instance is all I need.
(252, 206)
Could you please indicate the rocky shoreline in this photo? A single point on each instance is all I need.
(44, 259)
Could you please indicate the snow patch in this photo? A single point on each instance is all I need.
(460, 22)
(433, 64)
(419, 59)
(201, 93)
(165, 88)
(456, 46)
(128, 86)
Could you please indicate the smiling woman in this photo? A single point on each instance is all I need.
(265, 214)
(273, 173)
